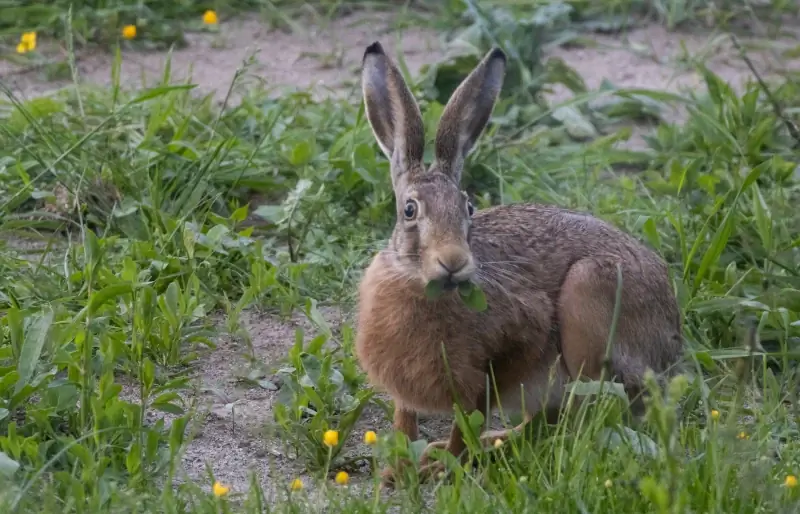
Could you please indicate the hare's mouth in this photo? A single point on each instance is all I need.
(448, 284)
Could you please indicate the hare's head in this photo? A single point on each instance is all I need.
(431, 240)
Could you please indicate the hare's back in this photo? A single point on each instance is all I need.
(542, 242)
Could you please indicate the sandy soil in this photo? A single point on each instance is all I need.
(231, 431)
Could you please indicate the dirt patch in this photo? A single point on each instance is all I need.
(326, 59)
(233, 430)
(653, 58)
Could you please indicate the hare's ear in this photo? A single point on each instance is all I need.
(392, 112)
(467, 113)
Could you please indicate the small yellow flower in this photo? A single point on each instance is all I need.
(27, 42)
(220, 490)
(742, 435)
(370, 437)
(29, 38)
(296, 484)
(330, 438)
(498, 443)
(715, 414)
(791, 481)
(129, 31)
(608, 483)
(210, 18)
(342, 478)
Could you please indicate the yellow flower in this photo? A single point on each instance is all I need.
(220, 490)
(331, 438)
(714, 414)
(742, 435)
(29, 38)
(342, 478)
(27, 42)
(129, 31)
(791, 481)
(296, 484)
(210, 18)
(370, 437)
(608, 483)
(498, 443)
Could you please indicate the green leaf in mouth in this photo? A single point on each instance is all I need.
(473, 296)
(434, 289)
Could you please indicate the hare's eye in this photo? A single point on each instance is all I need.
(470, 209)
(410, 211)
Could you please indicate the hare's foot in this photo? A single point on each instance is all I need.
(435, 445)
(429, 468)
(490, 437)
(390, 474)
(432, 471)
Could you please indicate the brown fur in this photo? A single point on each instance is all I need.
(549, 276)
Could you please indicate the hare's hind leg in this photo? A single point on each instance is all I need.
(645, 329)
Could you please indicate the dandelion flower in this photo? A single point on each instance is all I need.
(498, 443)
(29, 38)
(210, 18)
(27, 42)
(714, 414)
(342, 478)
(791, 481)
(608, 483)
(370, 437)
(129, 31)
(296, 484)
(220, 490)
(330, 438)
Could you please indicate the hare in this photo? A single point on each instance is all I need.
(549, 276)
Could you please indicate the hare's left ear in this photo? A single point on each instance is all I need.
(468, 112)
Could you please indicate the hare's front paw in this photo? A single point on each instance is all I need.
(429, 468)
(432, 471)
(436, 445)
(391, 474)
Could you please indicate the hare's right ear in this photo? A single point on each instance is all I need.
(392, 112)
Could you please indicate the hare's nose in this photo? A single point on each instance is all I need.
(454, 265)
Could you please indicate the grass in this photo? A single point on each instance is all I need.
(132, 219)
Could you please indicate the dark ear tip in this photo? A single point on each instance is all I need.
(496, 53)
(374, 48)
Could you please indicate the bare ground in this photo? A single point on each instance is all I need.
(230, 429)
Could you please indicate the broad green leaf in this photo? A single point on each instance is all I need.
(8, 466)
(302, 153)
(35, 338)
(102, 296)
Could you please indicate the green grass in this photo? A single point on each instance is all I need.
(139, 205)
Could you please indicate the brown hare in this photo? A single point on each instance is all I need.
(549, 276)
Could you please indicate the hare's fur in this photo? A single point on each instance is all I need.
(549, 276)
